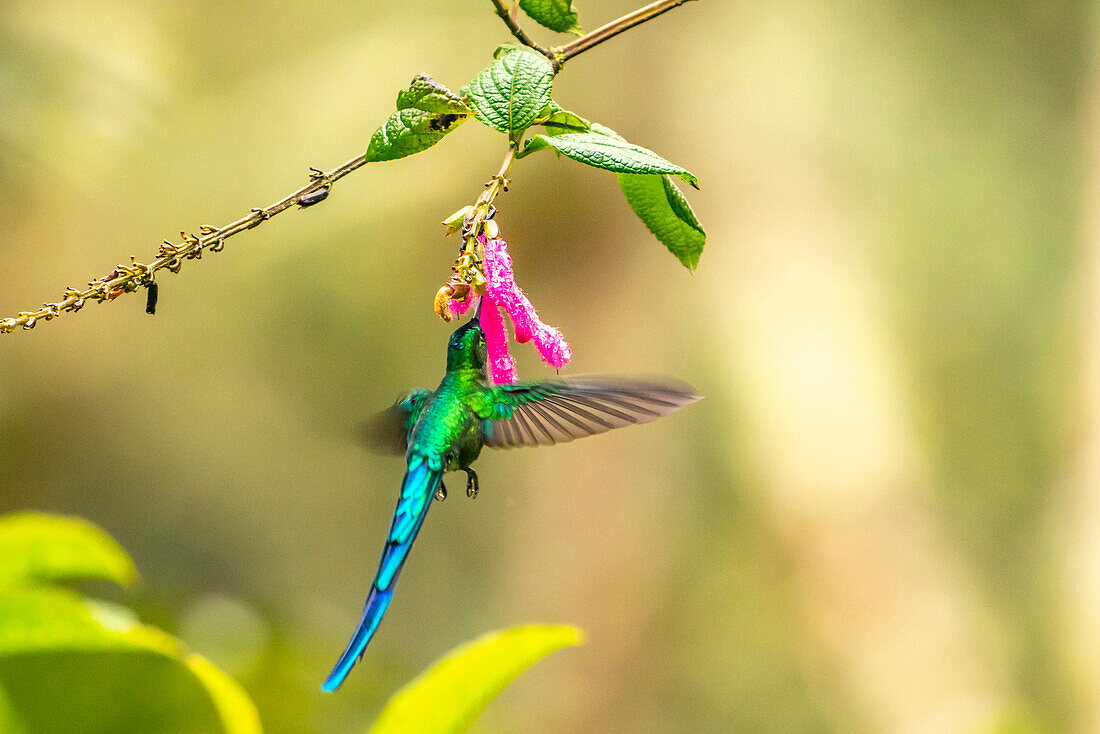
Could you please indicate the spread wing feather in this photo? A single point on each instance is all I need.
(387, 432)
(554, 411)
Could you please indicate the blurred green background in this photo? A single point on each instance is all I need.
(884, 517)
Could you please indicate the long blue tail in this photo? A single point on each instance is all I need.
(417, 491)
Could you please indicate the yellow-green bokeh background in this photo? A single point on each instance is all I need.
(884, 516)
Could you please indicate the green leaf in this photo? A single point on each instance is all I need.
(10, 721)
(410, 131)
(661, 205)
(50, 619)
(560, 122)
(557, 15)
(447, 697)
(92, 643)
(501, 50)
(605, 130)
(425, 93)
(36, 547)
(235, 709)
(609, 153)
(510, 93)
(426, 111)
(44, 620)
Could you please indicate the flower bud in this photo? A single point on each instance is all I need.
(442, 303)
(453, 223)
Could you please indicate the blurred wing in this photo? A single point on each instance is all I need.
(554, 411)
(387, 432)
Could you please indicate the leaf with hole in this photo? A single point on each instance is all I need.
(410, 131)
(425, 93)
(426, 112)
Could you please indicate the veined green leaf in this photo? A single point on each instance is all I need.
(425, 93)
(609, 153)
(557, 15)
(660, 204)
(605, 130)
(501, 50)
(37, 548)
(447, 697)
(426, 112)
(558, 121)
(410, 131)
(509, 93)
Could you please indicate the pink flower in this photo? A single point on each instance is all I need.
(459, 308)
(502, 368)
(501, 291)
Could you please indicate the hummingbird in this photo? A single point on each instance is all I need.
(445, 430)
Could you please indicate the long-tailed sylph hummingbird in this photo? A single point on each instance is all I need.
(445, 430)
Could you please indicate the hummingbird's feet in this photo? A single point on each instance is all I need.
(441, 493)
(472, 487)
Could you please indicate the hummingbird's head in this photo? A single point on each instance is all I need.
(466, 349)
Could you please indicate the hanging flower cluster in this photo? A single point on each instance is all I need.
(501, 292)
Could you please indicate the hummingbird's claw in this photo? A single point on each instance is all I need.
(441, 493)
(472, 487)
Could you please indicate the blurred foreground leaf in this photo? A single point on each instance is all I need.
(36, 547)
(79, 665)
(447, 697)
(10, 723)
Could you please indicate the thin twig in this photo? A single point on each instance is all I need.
(521, 36)
(128, 278)
(614, 28)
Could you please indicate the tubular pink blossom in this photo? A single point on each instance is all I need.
(502, 368)
(501, 289)
(459, 308)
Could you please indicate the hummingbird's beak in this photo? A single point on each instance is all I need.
(477, 309)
